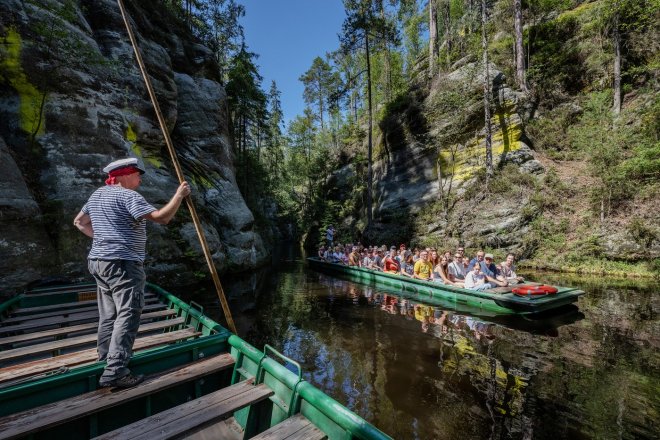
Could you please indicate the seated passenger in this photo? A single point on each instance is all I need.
(447, 255)
(354, 257)
(415, 255)
(478, 259)
(508, 270)
(337, 254)
(378, 258)
(490, 270)
(434, 258)
(321, 253)
(466, 264)
(401, 257)
(423, 270)
(442, 275)
(408, 266)
(366, 259)
(475, 280)
(390, 265)
(328, 255)
(456, 267)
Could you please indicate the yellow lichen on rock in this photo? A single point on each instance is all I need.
(30, 98)
(466, 160)
(131, 136)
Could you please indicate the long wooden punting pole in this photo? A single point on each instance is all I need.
(179, 173)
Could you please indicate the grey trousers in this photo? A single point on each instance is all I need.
(120, 295)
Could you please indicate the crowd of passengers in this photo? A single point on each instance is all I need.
(457, 269)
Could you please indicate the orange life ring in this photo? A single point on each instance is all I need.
(534, 290)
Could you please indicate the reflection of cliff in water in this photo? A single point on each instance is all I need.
(419, 370)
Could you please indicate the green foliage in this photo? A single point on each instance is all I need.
(606, 146)
(510, 179)
(549, 132)
(643, 234)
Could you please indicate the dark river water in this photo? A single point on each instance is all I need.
(426, 372)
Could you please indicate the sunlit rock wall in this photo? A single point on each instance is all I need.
(72, 100)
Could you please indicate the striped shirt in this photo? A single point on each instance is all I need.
(120, 233)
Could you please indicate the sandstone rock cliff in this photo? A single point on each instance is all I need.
(72, 100)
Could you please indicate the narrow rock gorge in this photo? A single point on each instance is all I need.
(72, 100)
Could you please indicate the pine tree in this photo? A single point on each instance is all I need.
(361, 28)
(318, 83)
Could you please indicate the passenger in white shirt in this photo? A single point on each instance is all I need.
(475, 280)
(456, 267)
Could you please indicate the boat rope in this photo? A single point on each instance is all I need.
(179, 172)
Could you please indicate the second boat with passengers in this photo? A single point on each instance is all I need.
(499, 300)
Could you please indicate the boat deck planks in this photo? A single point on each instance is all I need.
(46, 416)
(63, 313)
(88, 356)
(31, 310)
(79, 328)
(59, 320)
(170, 423)
(48, 347)
(296, 427)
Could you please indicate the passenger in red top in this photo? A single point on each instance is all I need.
(390, 265)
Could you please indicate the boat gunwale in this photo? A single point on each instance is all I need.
(218, 340)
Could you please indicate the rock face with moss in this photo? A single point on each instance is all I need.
(432, 152)
(72, 100)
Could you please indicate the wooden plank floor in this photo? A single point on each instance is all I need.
(36, 419)
(69, 343)
(175, 421)
(297, 427)
(79, 328)
(69, 305)
(77, 318)
(62, 313)
(15, 372)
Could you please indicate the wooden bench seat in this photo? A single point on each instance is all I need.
(79, 328)
(36, 419)
(69, 305)
(215, 406)
(59, 320)
(60, 289)
(77, 341)
(297, 427)
(88, 356)
(48, 314)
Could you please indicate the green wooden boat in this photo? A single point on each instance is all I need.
(499, 300)
(201, 380)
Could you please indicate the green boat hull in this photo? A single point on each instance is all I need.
(477, 301)
(292, 394)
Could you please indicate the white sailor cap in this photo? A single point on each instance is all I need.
(123, 163)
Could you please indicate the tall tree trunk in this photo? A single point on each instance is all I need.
(616, 108)
(446, 16)
(388, 63)
(520, 55)
(433, 36)
(321, 105)
(484, 45)
(369, 145)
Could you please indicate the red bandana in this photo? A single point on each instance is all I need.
(125, 171)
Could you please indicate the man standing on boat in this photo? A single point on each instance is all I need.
(115, 218)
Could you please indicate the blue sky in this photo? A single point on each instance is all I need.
(288, 35)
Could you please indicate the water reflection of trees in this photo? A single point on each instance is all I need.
(423, 371)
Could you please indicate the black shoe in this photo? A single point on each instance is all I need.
(130, 380)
